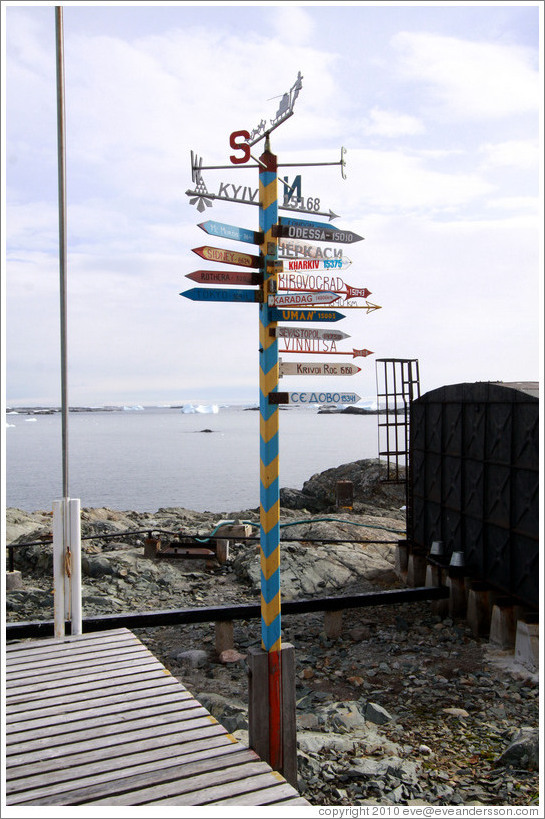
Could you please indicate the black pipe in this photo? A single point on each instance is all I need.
(211, 614)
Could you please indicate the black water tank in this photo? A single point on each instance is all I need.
(474, 480)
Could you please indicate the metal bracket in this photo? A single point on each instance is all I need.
(343, 162)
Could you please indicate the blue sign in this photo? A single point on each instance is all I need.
(288, 314)
(231, 232)
(220, 294)
(306, 398)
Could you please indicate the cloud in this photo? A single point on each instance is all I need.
(392, 124)
(292, 24)
(472, 80)
(522, 154)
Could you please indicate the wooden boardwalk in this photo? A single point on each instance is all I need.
(98, 720)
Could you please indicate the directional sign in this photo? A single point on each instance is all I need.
(232, 232)
(318, 368)
(311, 282)
(303, 299)
(289, 314)
(286, 221)
(306, 398)
(212, 294)
(310, 333)
(368, 307)
(290, 249)
(225, 277)
(353, 353)
(219, 254)
(316, 234)
(303, 265)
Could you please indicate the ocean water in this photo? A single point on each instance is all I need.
(145, 459)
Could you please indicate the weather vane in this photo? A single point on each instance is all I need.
(285, 110)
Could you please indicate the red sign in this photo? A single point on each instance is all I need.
(225, 277)
(219, 254)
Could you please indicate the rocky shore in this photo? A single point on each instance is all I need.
(403, 708)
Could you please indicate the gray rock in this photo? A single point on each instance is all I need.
(377, 714)
(523, 752)
(193, 658)
(233, 715)
(96, 566)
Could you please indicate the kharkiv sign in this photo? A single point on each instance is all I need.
(283, 252)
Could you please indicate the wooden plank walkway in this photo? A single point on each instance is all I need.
(98, 720)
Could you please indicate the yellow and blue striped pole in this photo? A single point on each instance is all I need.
(269, 450)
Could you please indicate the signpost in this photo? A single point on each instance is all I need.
(225, 277)
(317, 234)
(220, 254)
(319, 368)
(354, 353)
(306, 398)
(311, 274)
(231, 232)
(304, 315)
(303, 299)
(310, 333)
(211, 294)
(301, 265)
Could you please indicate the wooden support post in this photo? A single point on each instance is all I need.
(151, 547)
(503, 624)
(435, 576)
(222, 550)
(224, 635)
(259, 706)
(333, 624)
(457, 599)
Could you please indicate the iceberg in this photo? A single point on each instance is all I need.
(200, 408)
(137, 407)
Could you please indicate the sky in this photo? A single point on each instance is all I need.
(437, 105)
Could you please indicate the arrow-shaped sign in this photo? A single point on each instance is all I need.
(231, 232)
(225, 277)
(308, 264)
(368, 307)
(306, 398)
(354, 353)
(303, 250)
(308, 333)
(315, 234)
(213, 294)
(287, 221)
(219, 254)
(320, 368)
(200, 195)
(289, 314)
(308, 283)
(303, 299)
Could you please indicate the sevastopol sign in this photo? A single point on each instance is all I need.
(309, 333)
(306, 398)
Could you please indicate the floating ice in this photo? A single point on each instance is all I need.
(10, 425)
(137, 407)
(201, 408)
(30, 420)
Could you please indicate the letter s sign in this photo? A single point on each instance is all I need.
(237, 146)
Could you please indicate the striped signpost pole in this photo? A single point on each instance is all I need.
(269, 468)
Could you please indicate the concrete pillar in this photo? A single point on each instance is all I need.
(224, 635)
(258, 708)
(457, 599)
(416, 570)
(503, 624)
(402, 559)
(333, 624)
(479, 607)
(527, 643)
(14, 580)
